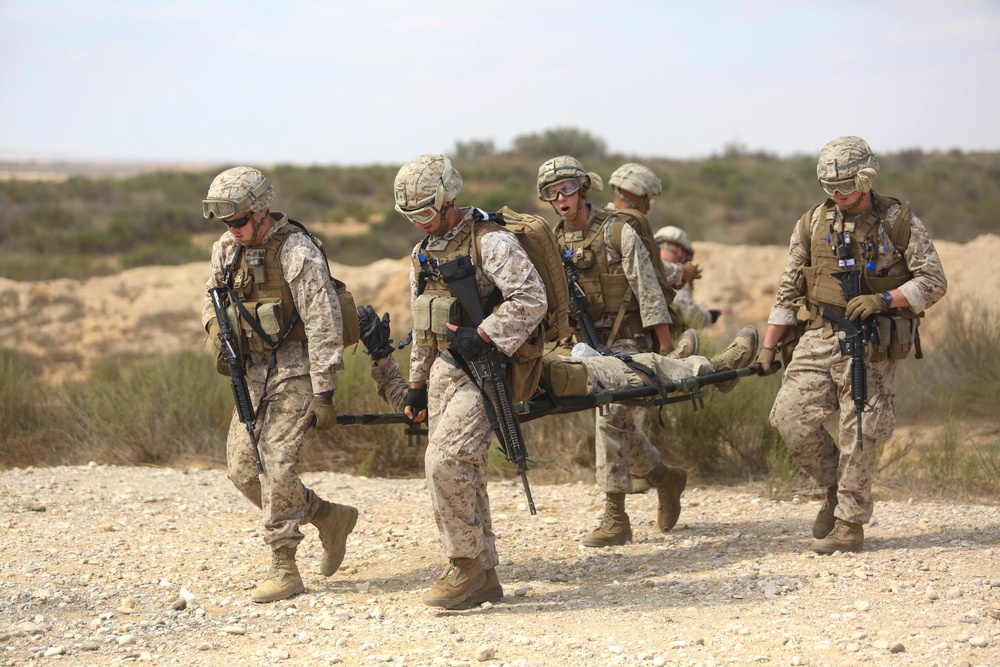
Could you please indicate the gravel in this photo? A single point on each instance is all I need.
(104, 565)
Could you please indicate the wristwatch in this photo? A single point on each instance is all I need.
(887, 297)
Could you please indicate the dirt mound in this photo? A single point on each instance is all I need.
(70, 324)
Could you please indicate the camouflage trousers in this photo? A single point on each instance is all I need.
(816, 384)
(458, 447)
(282, 434)
(622, 448)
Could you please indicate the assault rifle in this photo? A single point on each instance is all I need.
(489, 371)
(854, 343)
(241, 393)
(578, 305)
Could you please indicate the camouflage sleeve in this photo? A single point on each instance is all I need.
(694, 315)
(783, 312)
(641, 275)
(308, 276)
(391, 384)
(674, 272)
(929, 283)
(507, 266)
(421, 357)
(222, 253)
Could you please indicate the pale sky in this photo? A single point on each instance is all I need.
(265, 82)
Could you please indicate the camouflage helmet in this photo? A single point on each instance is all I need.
(563, 167)
(636, 179)
(671, 234)
(235, 191)
(846, 158)
(426, 180)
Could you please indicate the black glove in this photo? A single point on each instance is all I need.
(467, 342)
(713, 315)
(374, 333)
(416, 399)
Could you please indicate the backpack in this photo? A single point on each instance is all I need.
(348, 309)
(535, 236)
(637, 221)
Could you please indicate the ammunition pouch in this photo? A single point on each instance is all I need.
(896, 335)
(431, 312)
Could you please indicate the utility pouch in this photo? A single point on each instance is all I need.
(567, 377)
(821, 288)
(524, 374)
(269, 318)
(444, 310)
(789, 340)
(422, 334)
(896, 337)
(583, 258)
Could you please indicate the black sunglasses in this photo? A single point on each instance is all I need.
(237, 223)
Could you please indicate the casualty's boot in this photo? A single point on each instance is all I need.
(687, 346)
(845, 536)
(825, 519)
(615, 528)
(334, 522)
(490, 591)
(669, 482)
(283, 581)
(740, 354)
(462, 578)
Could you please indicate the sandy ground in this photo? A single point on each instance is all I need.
(109, 565)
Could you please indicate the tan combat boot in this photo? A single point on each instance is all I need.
(687, 346)
(462, 577)
(825, 519)
(334, 522)
(283, 581)
(615, 528)
(490, 591)
(740, 354)
(845, 536)
(669, 482)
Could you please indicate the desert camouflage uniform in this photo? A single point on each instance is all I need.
(817, 381)
(694, 315)
(459, 435)
(621, 446)
(303, 368)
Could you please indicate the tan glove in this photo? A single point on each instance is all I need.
(213, 335)
(864, 306)
(321, 413)
(765, 358)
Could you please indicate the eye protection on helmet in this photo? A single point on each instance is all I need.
(222, 207)
(565, 187)
(425, 210)
(844, 187)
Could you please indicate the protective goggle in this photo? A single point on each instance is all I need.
(843, 187)
(425, 211)
(226, 208)
(565, 187)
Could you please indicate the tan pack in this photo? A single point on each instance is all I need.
(637, 221)
(536, 237)
(348, 309)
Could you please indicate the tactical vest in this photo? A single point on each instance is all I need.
(436, 306)
(260, 284)
(604, 286)
(897, 326)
